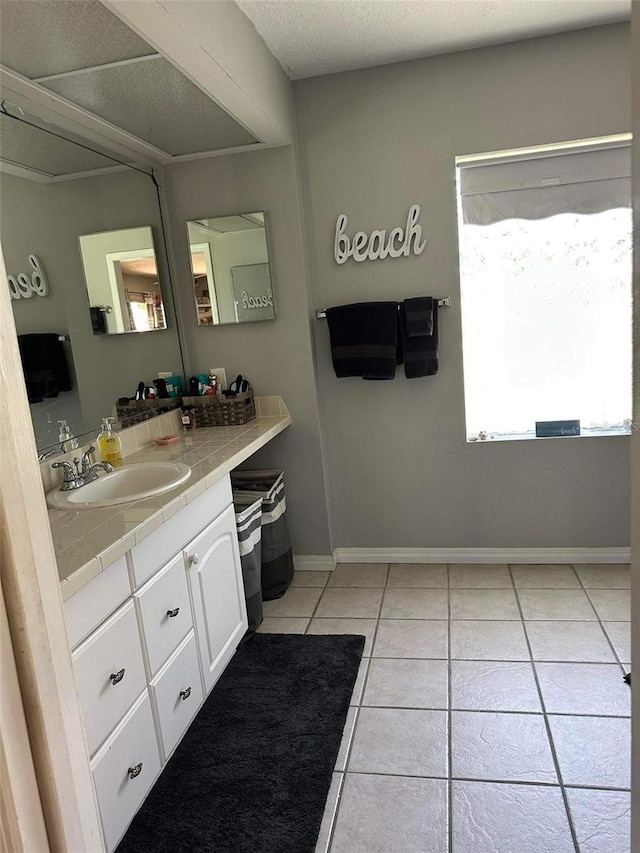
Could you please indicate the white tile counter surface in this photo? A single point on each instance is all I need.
(87, 541)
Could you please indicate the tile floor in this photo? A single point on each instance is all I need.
(489, 715)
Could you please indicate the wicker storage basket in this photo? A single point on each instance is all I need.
(222, 411)
(136, 411)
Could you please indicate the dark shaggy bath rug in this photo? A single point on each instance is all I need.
(253, 772)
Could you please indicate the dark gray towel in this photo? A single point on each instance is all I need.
(420, 352)
(364, 339)
(418, 315)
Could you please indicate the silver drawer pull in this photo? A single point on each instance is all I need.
(117, 676)
(135, 771)
(172, 613)
(184, 694)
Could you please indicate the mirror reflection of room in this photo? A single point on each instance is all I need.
(121, 276)
(53, 190)
(230, 268)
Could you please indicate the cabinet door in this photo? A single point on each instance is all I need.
(215, 579)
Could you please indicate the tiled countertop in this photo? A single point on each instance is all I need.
(87, 541)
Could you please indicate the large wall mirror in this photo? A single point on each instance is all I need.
(230, 268)
(122, 279)
(52, 193)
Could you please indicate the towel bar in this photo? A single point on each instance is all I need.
(442, 303)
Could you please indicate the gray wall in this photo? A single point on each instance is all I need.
(372, 143)
(275, 355)
(46, 220)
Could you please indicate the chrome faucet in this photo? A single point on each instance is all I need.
(85, 472)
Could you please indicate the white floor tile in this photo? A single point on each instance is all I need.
(545, 577)
(400, 742)
(347, 736)
(418, 575)
(350, 604)
(564, 604)
(363, 627)
(620, 635)
(295, 602)
(407, 638)
(310, 578)
(484, 576)
(358, 687)
(406, 683)
(283, 625)
(501, 747)
(602, 820)
(359, 575)
(605, 576)
(480, 640)
(391, 814)
(569, 641)
(584, 688)
(415, 604)
(493, 686)
(612, 605)
(593, 751)
(502, 818)
(484, 604)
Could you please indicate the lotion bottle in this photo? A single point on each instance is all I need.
(109, 444)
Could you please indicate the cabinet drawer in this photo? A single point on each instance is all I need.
(132, 751)
(165, 612)
(109, 674)
(85, 610)
(174, 534)
(178, 694)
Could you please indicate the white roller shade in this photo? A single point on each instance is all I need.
(570, 181)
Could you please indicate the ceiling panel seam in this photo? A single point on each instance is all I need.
(118, 64)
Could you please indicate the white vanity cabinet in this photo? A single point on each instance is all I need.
(150, 636)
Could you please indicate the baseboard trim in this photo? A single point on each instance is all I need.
(481, 555)
(314, 562)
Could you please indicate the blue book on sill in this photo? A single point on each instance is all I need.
(551, 429)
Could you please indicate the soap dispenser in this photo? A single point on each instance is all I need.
(109, 444)
(66, 439)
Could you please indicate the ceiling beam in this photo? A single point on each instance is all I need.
(216, 46)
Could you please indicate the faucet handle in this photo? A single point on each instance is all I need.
(68, 470)
(86, 459)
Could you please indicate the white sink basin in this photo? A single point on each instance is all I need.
(129, 483)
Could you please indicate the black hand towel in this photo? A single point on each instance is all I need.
(364, 339)
(418, 314)
(420, 351)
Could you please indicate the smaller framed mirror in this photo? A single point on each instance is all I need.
(231, 270)
(121, 275)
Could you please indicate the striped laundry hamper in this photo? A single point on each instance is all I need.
(277, 560)
(248, 524)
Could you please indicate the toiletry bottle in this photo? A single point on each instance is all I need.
(188, 418)
(109, 444)
(213, 382)
(66, 439)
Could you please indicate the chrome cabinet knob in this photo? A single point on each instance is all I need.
(172, 613)
(194, 559)
(135, 771)
(184, 694)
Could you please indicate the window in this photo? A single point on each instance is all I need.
(545, 276)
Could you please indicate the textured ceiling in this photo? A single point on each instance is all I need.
(155, 102)
(84, 53)
(34, 148)
(42, 37)
(314, 37)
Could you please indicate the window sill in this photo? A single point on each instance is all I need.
(531, 436)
